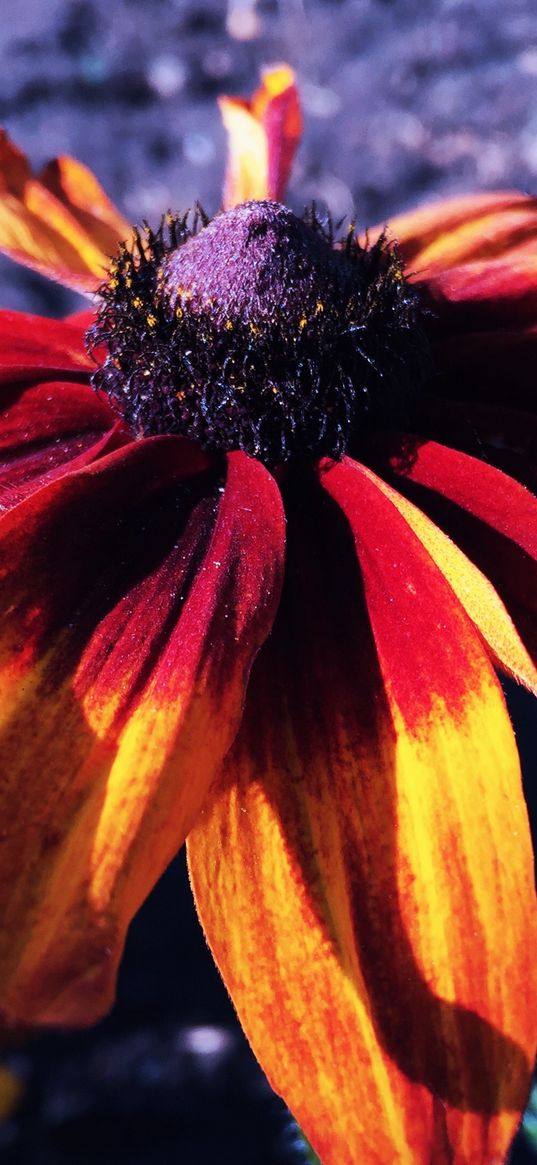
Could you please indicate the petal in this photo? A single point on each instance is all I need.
(497, 234)
(491, 517)
(454, 229)
(78, 189)
(40, 230)
(51, 429)
(263, 136)
(503, 436)
(494, 294)
(136, 593)
(35, 349)
(47, 426)
(346, 867)
(473, 590)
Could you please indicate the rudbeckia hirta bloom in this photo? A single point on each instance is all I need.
(266, 538)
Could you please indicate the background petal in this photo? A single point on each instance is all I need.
(60, 224)
(263, 137)
(458, 229)
(347, 870)
(136, 594)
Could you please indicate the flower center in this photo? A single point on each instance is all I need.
(256, 331)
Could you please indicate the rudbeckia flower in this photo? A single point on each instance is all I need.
(264, 546)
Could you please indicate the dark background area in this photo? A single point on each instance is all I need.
(404, 100)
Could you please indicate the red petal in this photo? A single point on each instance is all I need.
(50, 430)
(136, 595)
(484, 296)
(34, 349)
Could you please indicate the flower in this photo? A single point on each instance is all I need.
(287, 656)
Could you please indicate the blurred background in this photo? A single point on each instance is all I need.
(404, 100)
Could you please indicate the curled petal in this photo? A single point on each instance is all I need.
(137, 592)
(263, 136)
(60, 224)
(346, 867)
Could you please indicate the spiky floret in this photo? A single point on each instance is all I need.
(258, 331)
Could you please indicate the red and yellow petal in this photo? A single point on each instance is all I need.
(459, 230)
(489, 515)
(77, 188)
(136, 593)
(348, 867)
(60, 224)
(263, 135)
(475, 593)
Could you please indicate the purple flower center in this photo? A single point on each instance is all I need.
(258, 332)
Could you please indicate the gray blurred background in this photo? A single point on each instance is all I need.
(404, 100)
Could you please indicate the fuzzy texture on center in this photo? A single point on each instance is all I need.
(257, 331)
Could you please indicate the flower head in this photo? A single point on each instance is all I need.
(243, 603)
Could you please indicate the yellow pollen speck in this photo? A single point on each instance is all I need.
(229, 325)
(180, 395)
(179, 313)
(114, 284)
(137, 302)
(128, 281)
(151, 320)
(275, 389)
(302, 323)
(319, 307)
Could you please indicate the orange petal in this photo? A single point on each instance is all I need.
(455, 230)
(136, 593)
(56, 225)
(77, 188)
(363, 871)
(263, 136)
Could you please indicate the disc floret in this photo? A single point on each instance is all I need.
(257, 331)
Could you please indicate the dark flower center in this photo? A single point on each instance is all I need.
(256, 331)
